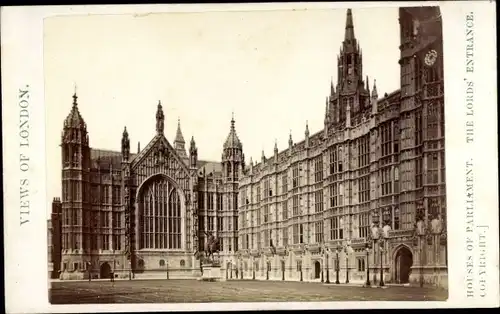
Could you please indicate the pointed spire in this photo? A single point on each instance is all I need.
(332, 88)
(178, 136)
(307, 128)
(160, 119)
(349, 27)
(290, 141)
(275, 146)
(75, 119)
(232, 140)
(125, 133)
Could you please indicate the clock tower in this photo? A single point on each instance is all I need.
(351, 96)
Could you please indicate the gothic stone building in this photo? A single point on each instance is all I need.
(367, 191)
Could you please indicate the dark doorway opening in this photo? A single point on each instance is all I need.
(317, 269)
(403, 264)
(105, 271)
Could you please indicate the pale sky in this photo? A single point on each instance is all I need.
(273, 69)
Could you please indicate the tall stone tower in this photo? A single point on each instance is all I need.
(423, 202)
(233, 163)
(350, 96)
(76, 224)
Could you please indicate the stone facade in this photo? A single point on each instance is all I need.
(300, 214)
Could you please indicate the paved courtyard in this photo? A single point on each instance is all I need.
(188, 291)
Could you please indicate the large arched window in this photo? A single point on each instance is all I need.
(161, 216)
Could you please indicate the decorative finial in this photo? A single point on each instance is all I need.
(232, 120)
(160, 119)
(75, 97)
(374, 91)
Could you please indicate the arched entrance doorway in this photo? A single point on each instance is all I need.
(317, 270)
(402, 265)
(105, 271)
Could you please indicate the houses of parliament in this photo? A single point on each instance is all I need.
(362, 198)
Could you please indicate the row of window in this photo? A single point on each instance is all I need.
(210, 200)
(73, 241)
(223, 223)
(336, 230)
(95, 219)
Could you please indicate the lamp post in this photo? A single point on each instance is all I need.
(241, 267)
(114, 268)
(322, 263)
(346, 250)
(367, 249)
(253, 270)
(381, 284)
(283, 269)
(420, 231)
(166, 262)
(89, 267)
(384, 235)
(375, 236)
(268, 265)
(300, 267)
(327, 269)
(337, 265)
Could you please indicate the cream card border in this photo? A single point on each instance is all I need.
(26, 244)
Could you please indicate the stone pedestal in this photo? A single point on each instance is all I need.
(212, 272)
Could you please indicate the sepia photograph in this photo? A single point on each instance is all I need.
(247, 160)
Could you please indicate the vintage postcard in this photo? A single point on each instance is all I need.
(250, 156)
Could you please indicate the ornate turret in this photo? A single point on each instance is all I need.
(160, 119)
(306, 133)
(374, 98)
(263, 157)
(232, 154)
(290, 144)
(374, 91)
(276, 151)
(179, 143)
(74, 119)
(75, 139)
(232, 140)
(125, 145)
(193, 153)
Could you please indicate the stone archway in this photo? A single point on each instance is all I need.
(317, 269)
(105, 271)
(403, 261)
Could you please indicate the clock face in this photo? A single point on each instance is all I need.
(430, 57)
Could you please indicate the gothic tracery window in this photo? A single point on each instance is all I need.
(161, 216)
